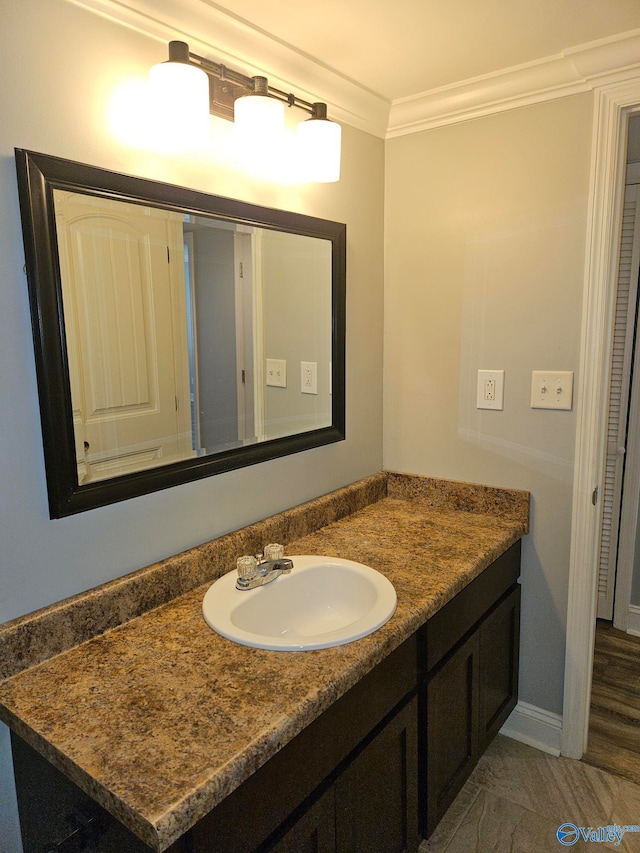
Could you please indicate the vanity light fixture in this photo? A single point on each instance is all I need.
(319, 142)
(180, 91)
(256, 108)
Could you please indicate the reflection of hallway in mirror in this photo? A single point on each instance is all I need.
(614, 722)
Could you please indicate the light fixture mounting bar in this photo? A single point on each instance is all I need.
(226, 84)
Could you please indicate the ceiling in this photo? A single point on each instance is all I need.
(402, 48)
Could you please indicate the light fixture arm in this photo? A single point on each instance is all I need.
(241, 83)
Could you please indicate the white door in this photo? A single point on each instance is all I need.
(124, 308)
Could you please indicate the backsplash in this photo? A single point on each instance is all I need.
(466, 497)
(39, 636)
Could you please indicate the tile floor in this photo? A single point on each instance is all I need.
(517, 797)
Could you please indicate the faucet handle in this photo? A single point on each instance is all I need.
(273, 551)
(247, 567)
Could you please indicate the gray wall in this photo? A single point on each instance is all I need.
(485, 245)
(56, 98)
(296, 295)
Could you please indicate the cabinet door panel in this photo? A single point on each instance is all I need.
(451, 729)
(314, 832)
(376, 796)
(499, 645)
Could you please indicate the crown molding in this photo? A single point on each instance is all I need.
(225, 38)
(577, 69)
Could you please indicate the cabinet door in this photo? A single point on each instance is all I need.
(376, 796)
(314, 832)
(451, 703)
(499, 646)
(260, 810)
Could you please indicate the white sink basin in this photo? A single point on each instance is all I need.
(323, 602)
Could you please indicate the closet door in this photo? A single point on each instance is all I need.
(619, 384)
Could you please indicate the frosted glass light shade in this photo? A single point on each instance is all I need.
(180, 100)
(319, 142)
(259, 131)
(259, 114)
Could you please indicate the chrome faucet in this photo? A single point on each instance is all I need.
(262, 569)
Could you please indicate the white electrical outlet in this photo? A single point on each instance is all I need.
(490, 389)
(552, 389)
(309, 377)
(277, 372)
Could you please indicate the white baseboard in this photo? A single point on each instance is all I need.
(634, 620)
(535, 727)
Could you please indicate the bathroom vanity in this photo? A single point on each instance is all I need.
(159, 734)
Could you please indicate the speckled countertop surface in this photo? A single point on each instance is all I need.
(159, 718)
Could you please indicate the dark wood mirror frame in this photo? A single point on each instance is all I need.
(38, 176)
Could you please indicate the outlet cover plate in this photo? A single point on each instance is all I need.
(309, 377)
(490, 389)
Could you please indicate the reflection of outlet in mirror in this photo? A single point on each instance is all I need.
(277, 372)
(309, 377)
(552, 389)
(490, 389)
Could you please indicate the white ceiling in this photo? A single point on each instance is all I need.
(398, 48)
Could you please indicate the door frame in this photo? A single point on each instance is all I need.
(612, 106)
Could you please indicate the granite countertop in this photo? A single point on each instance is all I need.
(159, 718)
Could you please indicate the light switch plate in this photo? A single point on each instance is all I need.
(277, 372)
(490, 389)
(552, 389)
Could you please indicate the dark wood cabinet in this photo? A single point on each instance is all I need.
(373, 774)
(376, 796)
(314, 831)
(499, 637)
(372, 805)
(347, 782)
(450, 728)
(57, 817)
(470, 684)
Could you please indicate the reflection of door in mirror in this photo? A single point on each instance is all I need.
(125, 320)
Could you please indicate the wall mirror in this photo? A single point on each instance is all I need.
(177, 334)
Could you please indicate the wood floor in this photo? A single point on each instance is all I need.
(614, 722)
